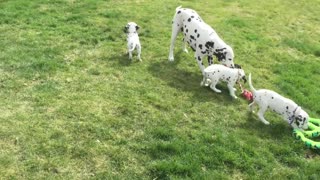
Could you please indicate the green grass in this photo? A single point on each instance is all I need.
(74, 107)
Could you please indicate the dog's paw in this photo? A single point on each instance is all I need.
(266, 122)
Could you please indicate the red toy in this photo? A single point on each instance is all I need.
(247, 95)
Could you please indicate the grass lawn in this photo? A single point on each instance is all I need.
(74, 107)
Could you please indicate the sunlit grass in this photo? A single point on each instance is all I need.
(74, 107)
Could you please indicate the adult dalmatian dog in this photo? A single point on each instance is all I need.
(201, 38)
(290, 111)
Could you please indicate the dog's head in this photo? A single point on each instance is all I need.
(131, 27)
(301, 119)
(225, 56)
(242, 75)
(237, 66)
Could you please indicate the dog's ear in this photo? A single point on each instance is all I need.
(237, 66)
(125, 29)
(137, 27)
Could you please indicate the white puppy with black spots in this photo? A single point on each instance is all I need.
(217, 72)
(201, 38)
(133, 39)
(290, 111)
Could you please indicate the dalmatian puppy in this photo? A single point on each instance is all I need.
(217, 72)
(289, 110)
(133, 39)
(201, 38)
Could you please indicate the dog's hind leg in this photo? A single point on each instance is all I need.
(251, 106)
(261, 112)
(213, 86)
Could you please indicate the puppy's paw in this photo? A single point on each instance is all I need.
(266, 123)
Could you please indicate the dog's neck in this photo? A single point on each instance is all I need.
(131, 34)
(294, 112)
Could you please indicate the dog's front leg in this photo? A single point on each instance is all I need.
(231, 90)
(139, 51)
(198, 57)
(174, 34)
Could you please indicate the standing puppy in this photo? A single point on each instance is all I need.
(133, 39)
(290, 111)
(201, 38)
(216, 72)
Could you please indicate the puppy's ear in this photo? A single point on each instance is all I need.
(125, 29)
(237, 66)
(137, 27)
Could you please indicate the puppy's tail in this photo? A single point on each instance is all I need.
(250, 84)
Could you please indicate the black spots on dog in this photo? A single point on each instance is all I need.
(192, 16)
(272, 97)
(187, 30)
(195, 31)
(185, 26)
(199, 58)
(181, 29)
(179, 12)
(209, 44)
(200, 46)
(287, 107)
(220, 54)
(198, 35)
(189, 20)
(192, 37)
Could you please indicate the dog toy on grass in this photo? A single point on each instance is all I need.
(247, 95)
(314, 126)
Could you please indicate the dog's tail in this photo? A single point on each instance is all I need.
(250, 84)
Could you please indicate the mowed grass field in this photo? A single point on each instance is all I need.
(74, 107)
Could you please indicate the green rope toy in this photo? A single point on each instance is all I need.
(314, 126)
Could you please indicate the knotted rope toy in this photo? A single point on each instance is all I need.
(314, 126)
(246, 93)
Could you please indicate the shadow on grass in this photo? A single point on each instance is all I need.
(180, 78)
(275, 130)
